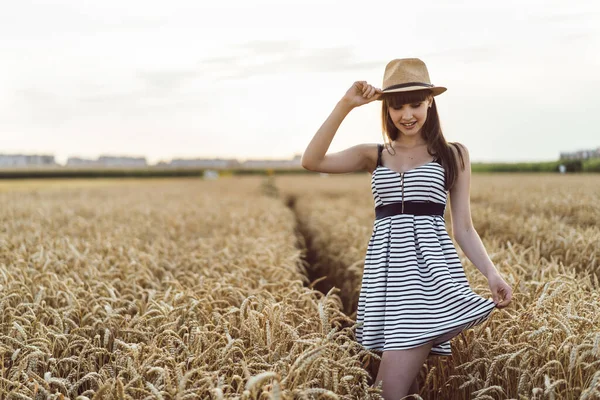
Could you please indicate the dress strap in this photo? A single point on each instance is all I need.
(379, 149)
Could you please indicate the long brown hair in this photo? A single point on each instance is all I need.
(431, 131)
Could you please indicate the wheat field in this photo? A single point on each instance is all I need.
(247, 287)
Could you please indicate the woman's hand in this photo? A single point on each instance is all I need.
(361, 93)
(501, 291)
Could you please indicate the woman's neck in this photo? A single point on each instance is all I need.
(410, 142)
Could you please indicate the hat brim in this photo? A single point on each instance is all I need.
(436, 90)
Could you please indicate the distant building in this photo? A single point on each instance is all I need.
(21, 160)
(295, 162)
(25, 160)
(108, 161)
(219, 163)
(81, 161)
(114, 161)
(580, 154)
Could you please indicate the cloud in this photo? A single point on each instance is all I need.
(571, 26)
(265, 47)
(256, 58)
(573, 16)
(166, 81)
(43, 106)
(467, 54)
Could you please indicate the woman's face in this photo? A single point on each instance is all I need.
(407, 114)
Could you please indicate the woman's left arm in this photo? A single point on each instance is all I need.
(467, 237)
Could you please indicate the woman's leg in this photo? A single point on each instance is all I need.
(399, 369)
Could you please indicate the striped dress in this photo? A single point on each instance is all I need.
(414, 289)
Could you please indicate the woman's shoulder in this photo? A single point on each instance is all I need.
(457, 146)
(461, 153)
(459, 149)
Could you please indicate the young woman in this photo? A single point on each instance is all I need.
(414, 296)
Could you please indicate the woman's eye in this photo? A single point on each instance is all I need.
(416, 105)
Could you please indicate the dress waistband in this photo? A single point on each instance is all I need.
(410, 207)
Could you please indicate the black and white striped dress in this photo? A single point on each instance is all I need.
(414, 289)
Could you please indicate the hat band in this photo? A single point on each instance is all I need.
(401, 85)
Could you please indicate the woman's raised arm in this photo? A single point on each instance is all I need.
(352, 159)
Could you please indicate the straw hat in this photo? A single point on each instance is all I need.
(408, 74)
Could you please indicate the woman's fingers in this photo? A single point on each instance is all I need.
(367, 91)
(505, 293)
(376, 91)
(508, 296)
(373, 91)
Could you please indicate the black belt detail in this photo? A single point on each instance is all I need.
(410, 207)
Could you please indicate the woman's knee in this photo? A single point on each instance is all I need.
(407, 362)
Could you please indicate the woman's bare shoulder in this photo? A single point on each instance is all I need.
(461, 153)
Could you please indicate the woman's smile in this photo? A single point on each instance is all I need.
(410, 117)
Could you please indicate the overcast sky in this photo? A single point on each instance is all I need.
(255, 79)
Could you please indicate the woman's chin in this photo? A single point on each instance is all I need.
(410, 132)
(415, 129)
